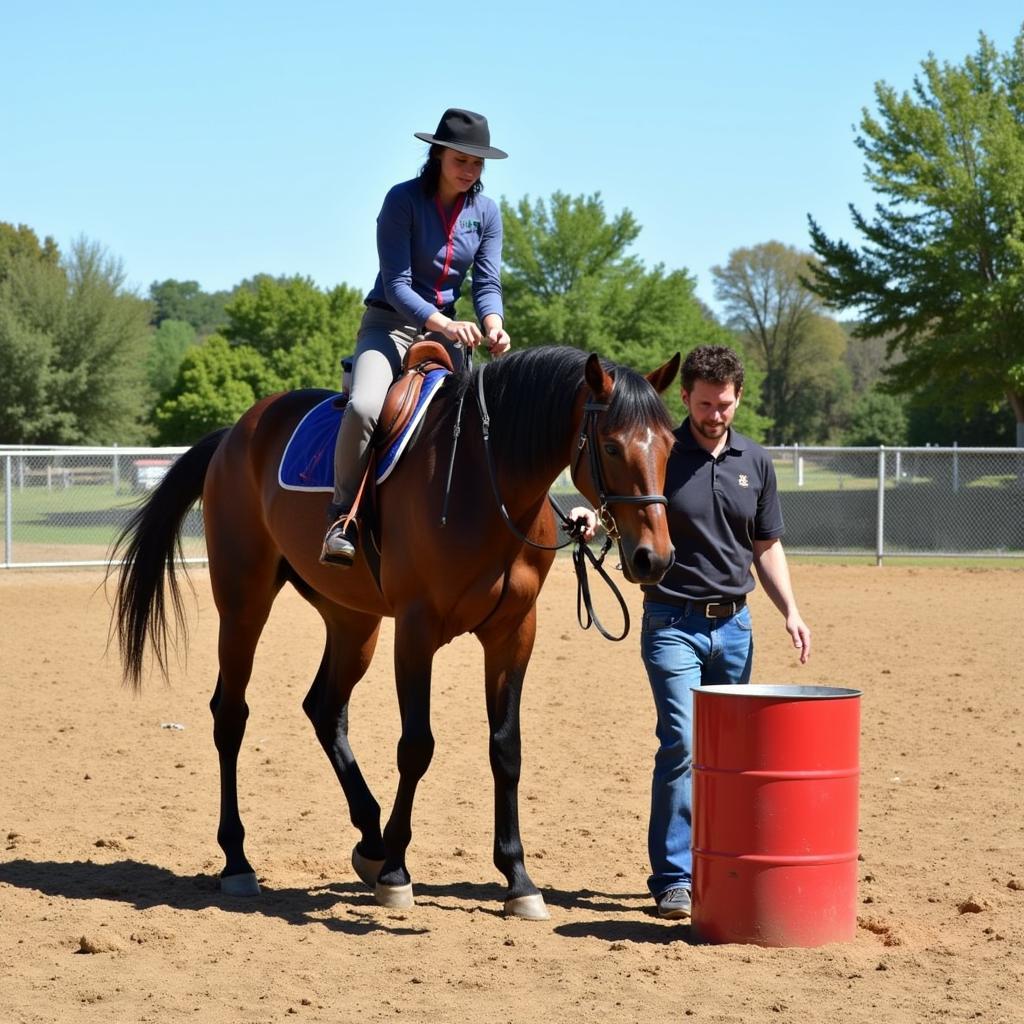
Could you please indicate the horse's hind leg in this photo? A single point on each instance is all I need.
(506, 656)
(244, 591)
(351, 639)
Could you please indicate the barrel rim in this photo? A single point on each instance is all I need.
(768, 691)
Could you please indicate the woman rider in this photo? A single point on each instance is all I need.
(430, 231)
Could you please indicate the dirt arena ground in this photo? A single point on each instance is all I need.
(109, 908)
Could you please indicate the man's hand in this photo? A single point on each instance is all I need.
(801, 634)
(587, 517)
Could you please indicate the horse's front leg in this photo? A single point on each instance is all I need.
(506, 655)
(415, 644)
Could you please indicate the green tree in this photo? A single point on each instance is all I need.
(569, 278)
(187, 302)
(300, 330)
(101, 349)
(21, 242)
(282, 333)
(217, 382)
(876, 419)
(782, 324)
(941, 269)
(26, 380)
(866, 359)
(282, 313)
(168, 345)
(72, 349)
(938, 415)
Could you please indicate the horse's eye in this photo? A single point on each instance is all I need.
(612, 449)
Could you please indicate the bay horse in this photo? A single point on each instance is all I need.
(547, 408)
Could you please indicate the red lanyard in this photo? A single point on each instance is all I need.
(449, 228)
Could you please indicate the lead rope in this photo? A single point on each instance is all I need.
(581, 554)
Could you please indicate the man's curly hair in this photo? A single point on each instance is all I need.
(716, 364)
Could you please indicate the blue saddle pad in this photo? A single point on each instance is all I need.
(308, 460)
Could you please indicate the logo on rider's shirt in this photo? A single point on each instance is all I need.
(469, 224)
(743, 481)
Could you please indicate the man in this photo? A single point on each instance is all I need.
(724, 517)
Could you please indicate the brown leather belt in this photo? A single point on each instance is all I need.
(719, 609)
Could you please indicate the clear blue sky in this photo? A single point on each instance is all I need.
(212, 141)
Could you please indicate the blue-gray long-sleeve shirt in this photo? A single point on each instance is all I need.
(425, 253)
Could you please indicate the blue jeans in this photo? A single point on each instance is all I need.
(682, 649)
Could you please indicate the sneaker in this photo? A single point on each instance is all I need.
(339, 544)
(675, 903)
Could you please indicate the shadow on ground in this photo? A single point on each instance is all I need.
(147, 885)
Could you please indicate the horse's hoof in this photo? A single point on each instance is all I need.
(365, 867)
(394, 897)
(240, 885)
(529, 908)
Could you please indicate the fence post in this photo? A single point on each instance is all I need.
(117, 471)
(880, 533)
(956, 468)
(8, 514)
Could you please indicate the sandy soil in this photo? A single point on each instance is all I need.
(109, 909)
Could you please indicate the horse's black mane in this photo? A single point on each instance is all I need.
(529, 396)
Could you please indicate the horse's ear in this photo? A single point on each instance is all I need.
(600, 382)
(664, 375)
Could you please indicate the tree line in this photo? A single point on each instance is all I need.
(931, 349)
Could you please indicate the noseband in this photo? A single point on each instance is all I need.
(588, 440)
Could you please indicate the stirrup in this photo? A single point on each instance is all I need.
(347, 535)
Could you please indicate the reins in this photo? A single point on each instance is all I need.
(485, 424)
(582, 553)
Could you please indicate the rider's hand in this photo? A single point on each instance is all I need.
(498, 341)
(462, 332)
(586, 516)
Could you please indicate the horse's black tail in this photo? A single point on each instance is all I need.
(149, 549)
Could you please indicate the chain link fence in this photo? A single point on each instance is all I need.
(902, 501)
(65, 506)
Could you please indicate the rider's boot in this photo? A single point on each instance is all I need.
(340, 543)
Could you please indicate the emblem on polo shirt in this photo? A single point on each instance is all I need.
(743, 481)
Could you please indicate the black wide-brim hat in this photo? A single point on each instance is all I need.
(466, 132)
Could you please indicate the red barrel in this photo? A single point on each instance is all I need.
(775, 779)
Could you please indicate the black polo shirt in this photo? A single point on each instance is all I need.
(717, 508)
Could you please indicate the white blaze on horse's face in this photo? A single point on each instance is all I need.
(645, 546)
(648, 441)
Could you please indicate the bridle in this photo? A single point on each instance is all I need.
(588, 439)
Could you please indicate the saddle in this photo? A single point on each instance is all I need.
(403, 395)
(400, 403)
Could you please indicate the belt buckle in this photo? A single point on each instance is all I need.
(719, 604)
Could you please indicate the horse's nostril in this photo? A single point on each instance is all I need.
(647, 567)
(642, 562)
